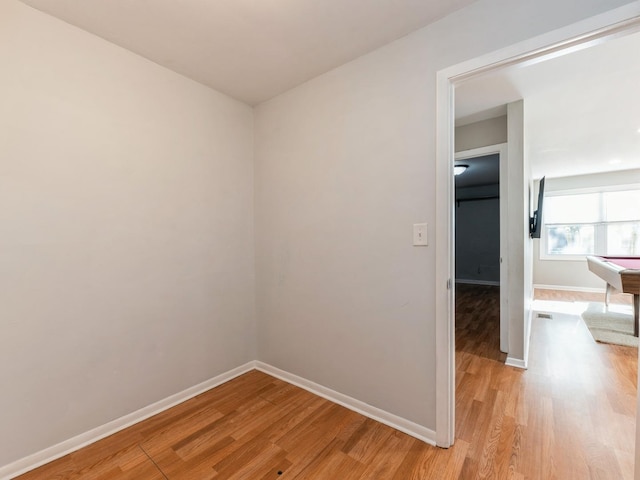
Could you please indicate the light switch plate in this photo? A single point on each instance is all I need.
(420, 235)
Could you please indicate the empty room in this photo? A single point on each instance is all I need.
(227, 245)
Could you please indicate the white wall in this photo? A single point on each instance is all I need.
(344, 167)
(575, 273)
(126, 242)
(520, 277)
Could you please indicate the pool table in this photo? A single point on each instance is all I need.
(621, 274)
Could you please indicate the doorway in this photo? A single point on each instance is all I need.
(536, 50)
(481, 226)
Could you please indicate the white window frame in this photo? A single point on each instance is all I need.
(600, 233)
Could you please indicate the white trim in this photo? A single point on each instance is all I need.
(566, 191)
(516, 362)
(501, 150)
(477, 282)
(504, 246)
(481, 151)
(394, 421)
(49, 454)
(616, 22)
(568, 288)
(592, 31)
(445, 263)
(523, 362)
(529, 324)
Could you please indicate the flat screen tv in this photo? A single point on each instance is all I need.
(535, 222)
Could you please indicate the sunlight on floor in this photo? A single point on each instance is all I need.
(574, 308)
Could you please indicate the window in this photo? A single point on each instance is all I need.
(600, 223)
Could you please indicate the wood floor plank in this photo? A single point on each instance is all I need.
(420, 462)
(326, 461)
(570, 416)
(370, 438)
(389, 457)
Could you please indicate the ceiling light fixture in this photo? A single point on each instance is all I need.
(458, 169)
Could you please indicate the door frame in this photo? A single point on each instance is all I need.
(502, 152)
(583, 34)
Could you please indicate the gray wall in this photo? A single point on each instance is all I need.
(478, 235)
(478, 222)
(344, 167)
(126, 242)
(481, 134)
(128, 207)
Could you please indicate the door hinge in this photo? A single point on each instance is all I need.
(449, 284)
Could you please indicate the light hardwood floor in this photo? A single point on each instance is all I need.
(570, 296)
(570, 416)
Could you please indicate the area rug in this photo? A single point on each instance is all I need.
(610, 325)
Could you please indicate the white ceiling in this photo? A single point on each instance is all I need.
(582, 109)
(251, 50)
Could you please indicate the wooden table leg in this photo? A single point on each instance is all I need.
(636, 307)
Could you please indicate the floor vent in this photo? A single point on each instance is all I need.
(544, 315)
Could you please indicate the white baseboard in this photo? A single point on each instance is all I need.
(410, 428)
(61, 449)
(569, 288)
(478, 282)
(516, 362)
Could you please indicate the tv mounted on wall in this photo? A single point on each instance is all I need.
(535, 222)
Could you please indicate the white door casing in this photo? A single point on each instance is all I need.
(501, 151)
(594, 30)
